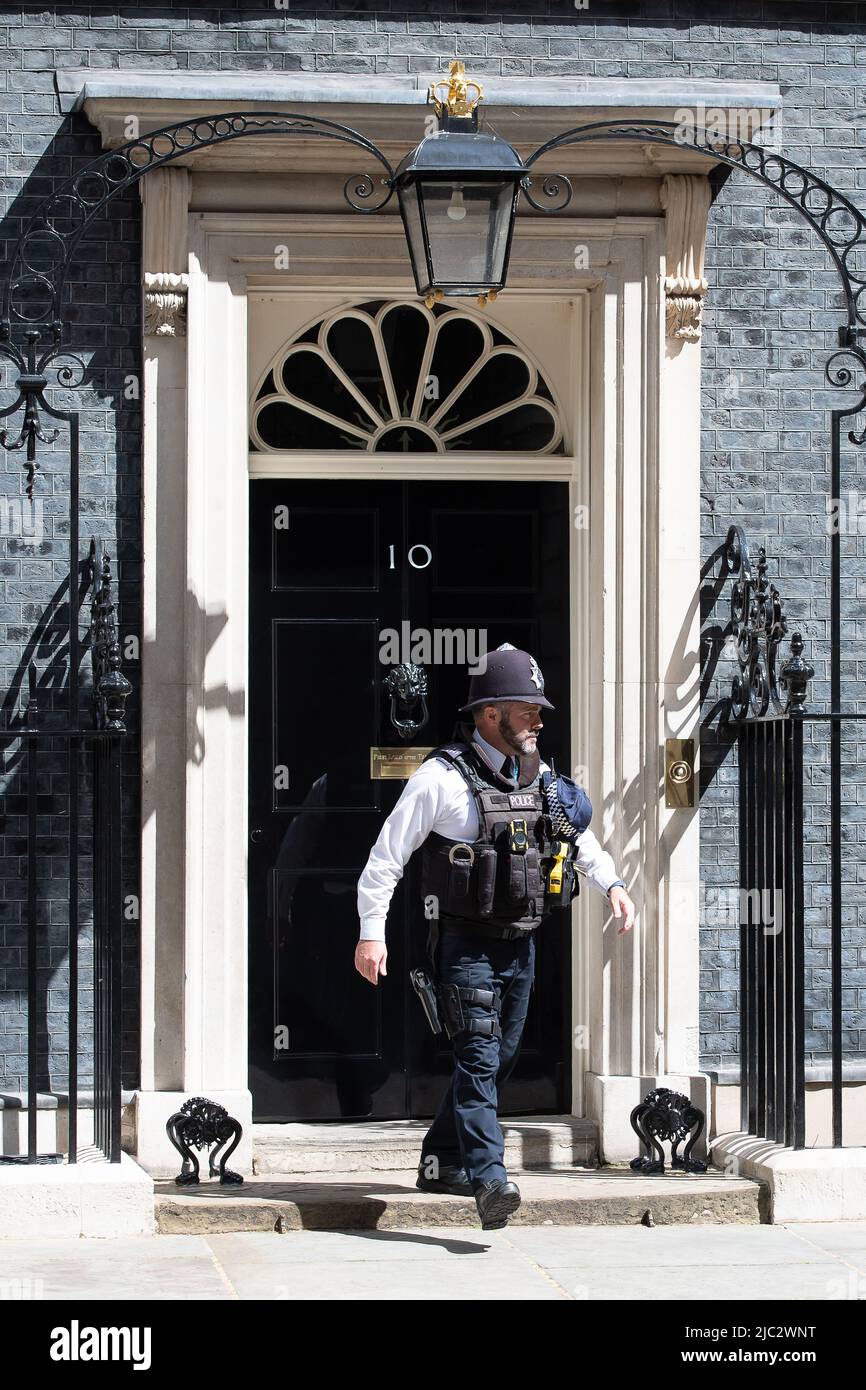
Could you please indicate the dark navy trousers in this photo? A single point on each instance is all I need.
(466, 1131)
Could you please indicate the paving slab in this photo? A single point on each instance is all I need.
(737, 1283)
(667, 1263)
(847, 1239)
(121, 1268)
(374, 1264)
(668, 1246)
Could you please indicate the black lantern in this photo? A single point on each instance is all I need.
(458, 194)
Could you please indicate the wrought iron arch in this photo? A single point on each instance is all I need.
(776, 172)
(82, 197)
(61, 219)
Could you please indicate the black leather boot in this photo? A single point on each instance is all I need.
(450, 1179)
(495, 1202)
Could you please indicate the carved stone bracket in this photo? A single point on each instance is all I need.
(165, 196)
(686, 199)
(165, 305)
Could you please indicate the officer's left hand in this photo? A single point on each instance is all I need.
(621, 902)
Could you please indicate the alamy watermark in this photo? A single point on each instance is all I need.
(730, 125)
(438, 646)
(731, 907)
(846, 515)
(22, 517)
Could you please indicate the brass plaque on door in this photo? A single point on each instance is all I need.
(395, 764)
(679, 772)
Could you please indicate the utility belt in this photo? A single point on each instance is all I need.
(443, 1004)
(470, 928)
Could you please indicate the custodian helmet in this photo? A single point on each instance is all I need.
(510, 674)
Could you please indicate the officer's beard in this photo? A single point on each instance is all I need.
(522, 742)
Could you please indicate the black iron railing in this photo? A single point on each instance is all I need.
(772, 930)
(775, 734)
(85, 756)
(107, 919)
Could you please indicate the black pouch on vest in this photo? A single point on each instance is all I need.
(533, 874)
(516, 886)
(460, 860)
(486, 880)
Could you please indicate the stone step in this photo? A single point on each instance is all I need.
(538, 1142)
(609, 1196)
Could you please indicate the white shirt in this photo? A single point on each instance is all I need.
(437, 797)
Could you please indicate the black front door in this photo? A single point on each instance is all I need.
(338, 571)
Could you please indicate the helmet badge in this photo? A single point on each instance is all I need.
(535, 674)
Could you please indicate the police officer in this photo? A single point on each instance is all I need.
(474, 807)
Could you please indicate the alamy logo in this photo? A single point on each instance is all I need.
(77, 1343)
(22, 518)
(438, 646)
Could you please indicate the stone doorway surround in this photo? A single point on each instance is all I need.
(629, 251)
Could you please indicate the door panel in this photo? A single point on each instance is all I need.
(333, 565)
(300, 650)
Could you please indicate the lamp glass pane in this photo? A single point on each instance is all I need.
(415, 236)
(467, 231)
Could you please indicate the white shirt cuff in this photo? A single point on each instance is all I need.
(372, 929)
(609, 885)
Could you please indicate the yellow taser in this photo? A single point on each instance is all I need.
(560, 852)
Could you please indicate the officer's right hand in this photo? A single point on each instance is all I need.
(370, 959)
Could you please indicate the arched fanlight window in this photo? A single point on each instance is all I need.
(401, 378)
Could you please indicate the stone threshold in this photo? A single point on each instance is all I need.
(607, 1196)
(531, 1141)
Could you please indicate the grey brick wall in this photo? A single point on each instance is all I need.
(773, 307)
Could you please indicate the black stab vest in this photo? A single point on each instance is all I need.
(497, 878)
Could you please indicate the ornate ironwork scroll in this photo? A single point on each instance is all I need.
(758, 627)
(32, 365)
(198, 1124)
(111, 689)
(666, 1114)
(556, 187)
